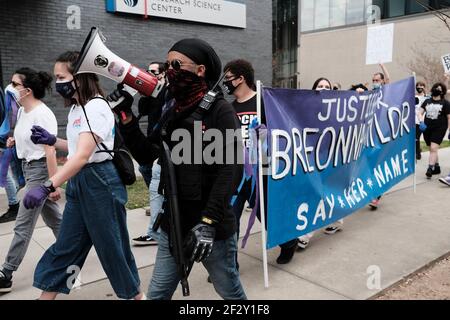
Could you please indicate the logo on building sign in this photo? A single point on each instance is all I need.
(230, 13)
(131, 3)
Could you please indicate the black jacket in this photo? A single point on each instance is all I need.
(203, 189)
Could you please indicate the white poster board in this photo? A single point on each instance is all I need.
(446, 63)
(380, 44)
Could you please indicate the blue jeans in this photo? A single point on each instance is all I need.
(146, 171)
(94, 215)
(156, 201)
(221, 266)
(11, 189)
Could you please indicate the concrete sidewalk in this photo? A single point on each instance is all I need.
(407, 232)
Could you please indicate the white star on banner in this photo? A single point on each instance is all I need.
(370, 183)
(341, 202)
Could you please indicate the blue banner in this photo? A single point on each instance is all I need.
(332, 152)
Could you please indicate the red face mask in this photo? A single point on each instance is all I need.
(186, 87)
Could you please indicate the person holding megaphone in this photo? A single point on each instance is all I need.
(204, 190)
(95, 213)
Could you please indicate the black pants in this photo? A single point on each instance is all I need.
(418, 135)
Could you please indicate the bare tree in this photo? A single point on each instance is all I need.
(440, 13)
(426, 64)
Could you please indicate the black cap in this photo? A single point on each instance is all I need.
(201, 52)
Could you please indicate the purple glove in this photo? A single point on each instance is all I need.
(41, 136)
(35, 197)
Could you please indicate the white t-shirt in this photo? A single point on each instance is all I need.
(102, 122)
(41, 116)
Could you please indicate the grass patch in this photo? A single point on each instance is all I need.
(137, 195)
(424, 147)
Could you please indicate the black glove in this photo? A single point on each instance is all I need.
(202, 239)
(125, 105)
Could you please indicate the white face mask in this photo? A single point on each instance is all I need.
(15, 93)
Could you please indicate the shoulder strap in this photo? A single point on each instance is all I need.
(92, 133)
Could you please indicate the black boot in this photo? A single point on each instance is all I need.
(11, 214)
(286, 254)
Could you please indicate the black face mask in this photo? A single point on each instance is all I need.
(65, 89)
(419, 90)
(228, 86)
(436, 92)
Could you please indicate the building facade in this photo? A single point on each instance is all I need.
(333, 40)
(34, 33)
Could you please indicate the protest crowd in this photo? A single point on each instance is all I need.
(200, 222)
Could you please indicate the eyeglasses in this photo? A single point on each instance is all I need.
(15, 84)
(176, 64)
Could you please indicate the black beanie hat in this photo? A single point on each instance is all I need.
(201, 52)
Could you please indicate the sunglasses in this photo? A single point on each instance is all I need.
(15, 84)
(154, 72)
(176, 64)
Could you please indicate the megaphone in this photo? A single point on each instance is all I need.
(96, 58)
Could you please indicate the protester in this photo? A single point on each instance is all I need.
(204, 189)
(421, 96)
(337, 86)
(11, 193)
(152, 108)
(240, 82)
(39, 162)
(303, 241)
(379, 79)
(95, 211)
(10, 186)
(436, 113)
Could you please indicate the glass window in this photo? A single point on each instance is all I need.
(396, 8)
(355, 11)
(322, 14)
(307, 12)
(338, 10)
(285, 43)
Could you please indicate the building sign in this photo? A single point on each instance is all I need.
(221, 12)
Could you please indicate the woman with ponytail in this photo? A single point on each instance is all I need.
(28, 87)
(95, 213)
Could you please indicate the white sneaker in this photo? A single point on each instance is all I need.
(302, 243)
(332, 229)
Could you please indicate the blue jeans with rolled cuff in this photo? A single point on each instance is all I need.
(94, 215)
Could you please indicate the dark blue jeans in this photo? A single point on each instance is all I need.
(95, 215)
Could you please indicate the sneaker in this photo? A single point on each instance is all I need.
(437, 170)
(445, 180)
(302, 244)
(333, 229)
(5, 283)
(374, 204)
(11, 214)
(147, 212)
(286, 255)
(429, 173)
(145, 241)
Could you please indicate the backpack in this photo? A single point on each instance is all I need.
(121, 157)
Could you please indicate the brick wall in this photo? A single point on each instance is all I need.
(33, 33)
